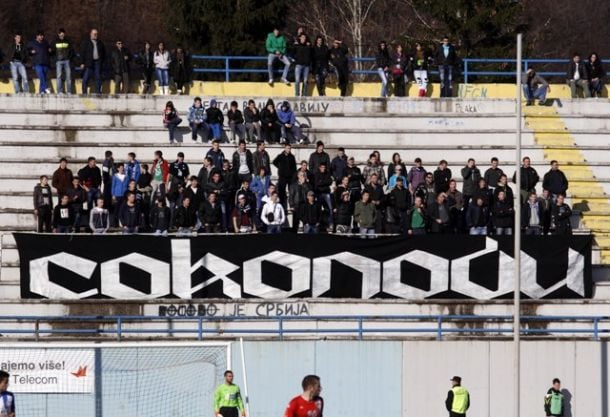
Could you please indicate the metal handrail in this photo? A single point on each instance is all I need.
(467, 65)
(200, 330)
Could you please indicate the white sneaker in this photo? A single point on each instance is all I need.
(285, 81)
(301, 141)
(47, 91)
(282, 140)
(270, 82)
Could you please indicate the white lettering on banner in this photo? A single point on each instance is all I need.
(439, 275)
(576, 270)
(460, 275)
(370, 269)
(182, 270)
(49, 371)
(445, 274)
(111, 277)
(40, 282)
(253, 275)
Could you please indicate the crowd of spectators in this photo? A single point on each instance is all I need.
(236, 193)
(394, 65)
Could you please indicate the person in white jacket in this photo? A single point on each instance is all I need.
(273, 215)
(162, 60)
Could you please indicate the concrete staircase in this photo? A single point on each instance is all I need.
(36, 131)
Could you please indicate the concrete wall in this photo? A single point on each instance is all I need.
(411, 379)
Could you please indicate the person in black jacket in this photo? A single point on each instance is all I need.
(180, 69)
(447, 61)
(210, 214)
(252, 118)
(502, 215)
(286, 166)
(321, 57)
(560, 217)
(555, 181)
(399, 63)
(242, 162)
(215, 120)
(130, 215)
(64, 52)
(529, 179)
(310, 214)
(91, 180)
(43, 204)
(236, 123)
(186, 218)
(160, 218)
(93, 54)
(302, 60)
(18, 55)
(63, 216)
(400, 203)
(120, 59)
(146, 61)
(322, 183)
(578, 77)
(477, 217)
(270, 124)
(382, 62)
(440, 216)
(40, 51)
(339, 60)
(297, 197)
(597, 75)
(442, 176)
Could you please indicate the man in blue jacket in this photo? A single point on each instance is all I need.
(289, 124)
(40, 50)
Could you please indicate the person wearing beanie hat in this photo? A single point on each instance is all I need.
(458, 398)
(215, 120)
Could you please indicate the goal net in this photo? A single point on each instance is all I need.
(115, 380)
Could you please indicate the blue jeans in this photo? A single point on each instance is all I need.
(216, 129)
(18, 71)
(96, 71)
(310, 229)
(163, 77)
(271, 59)
(504, 231)
(446, 74)
(41, 73)
(367, 232)
(321, 74)
(274, 229)
(63, 67)
(301, 74)
(64, 229)
(384, 81)
(531, 94)
(92, 196)
(171, 127)
(295, 131)
(478, 230)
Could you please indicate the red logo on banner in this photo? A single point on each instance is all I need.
(82, 372)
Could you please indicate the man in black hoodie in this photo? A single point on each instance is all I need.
(322, 184)
(286, 166)
(302, 60)
(64, 52)
(338, 57)
(529, 179)
(120, 59)
(321, 58)
(382, 62)
(447, 61)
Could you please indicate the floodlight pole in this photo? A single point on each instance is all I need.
(517, 236)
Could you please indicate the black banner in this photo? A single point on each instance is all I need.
(296, 266)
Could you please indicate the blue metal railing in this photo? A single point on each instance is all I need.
(357, 325)
(468, 64)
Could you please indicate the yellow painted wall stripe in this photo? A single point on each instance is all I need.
(544, 118)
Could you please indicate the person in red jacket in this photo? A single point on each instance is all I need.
(160, 177)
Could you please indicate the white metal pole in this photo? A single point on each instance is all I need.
(243, 370)
(517, 235)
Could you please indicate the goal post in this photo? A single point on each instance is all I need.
(136, 379)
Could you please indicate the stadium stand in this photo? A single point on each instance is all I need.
(37, 131)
